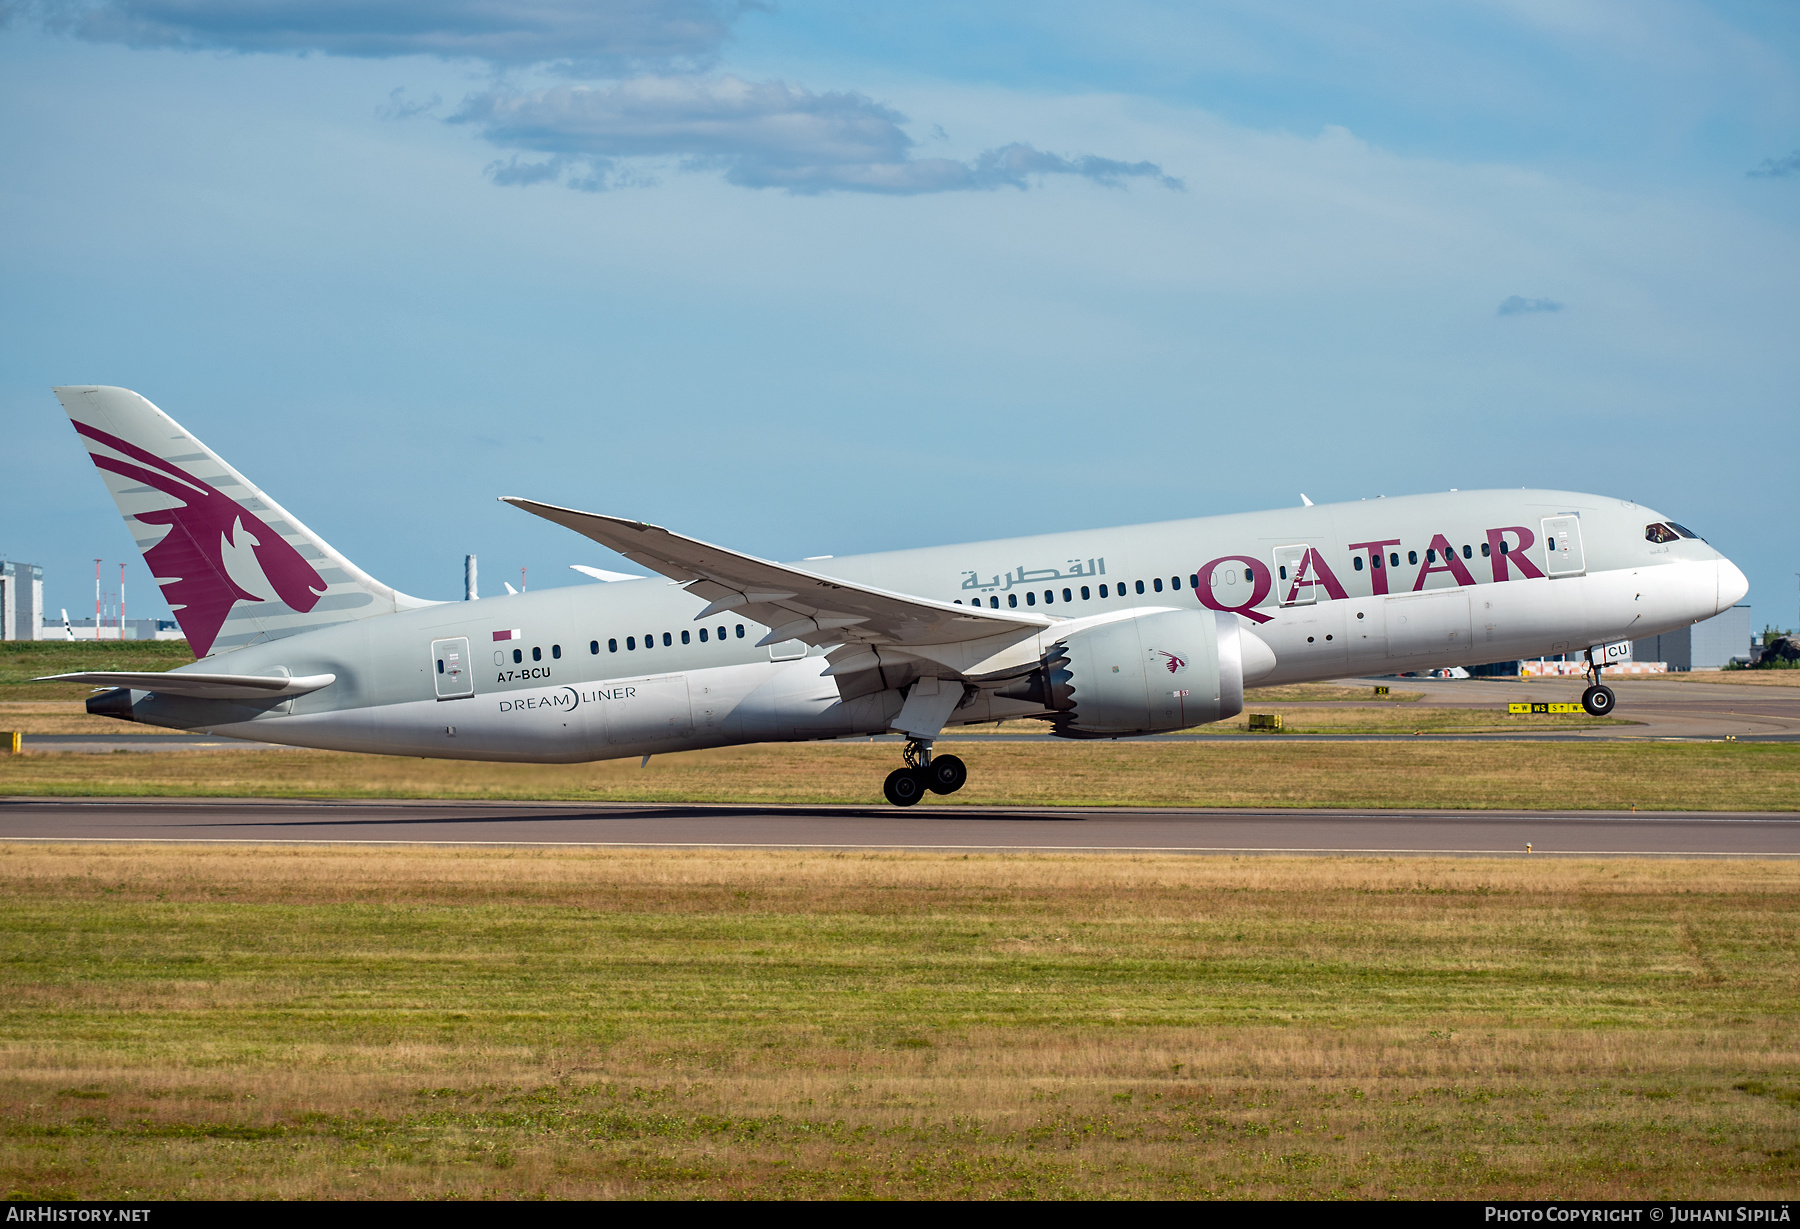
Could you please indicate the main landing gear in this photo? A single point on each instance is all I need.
(1597, 700)
(941, 774)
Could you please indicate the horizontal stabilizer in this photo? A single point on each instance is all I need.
(200, 686)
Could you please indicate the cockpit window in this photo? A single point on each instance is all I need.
(1684, 531)
(1659, 533)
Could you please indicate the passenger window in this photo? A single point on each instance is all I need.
(440, 665)
(537, 654)
(593, 646)
(1249, 576)
(1659, 533)
(1394, 558)
(703, 635)
(1067, 596)
(722, 633)
(1102, 590)
(1486, 550)
(612, 645)
(1140, 586)
(1412, 556)
(740, 633)
(1467, 553)
(630, 643)
(650, 641)
(1084, 594)
(668, 640)
(1012, 600)
(1355, 563)
(1282, 571)
(1157, 582)
(1174, 582)
(994, 603)
(518, 656)
(684, 636)
(1550, 543)
(556, 651)
(1505, 547)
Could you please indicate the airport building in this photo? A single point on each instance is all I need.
(134, 629)
(21, 601)
(1707, 645)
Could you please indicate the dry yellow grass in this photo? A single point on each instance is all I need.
(218, 1022)
(1255, 772)
(65, 717)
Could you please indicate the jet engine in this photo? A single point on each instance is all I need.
(1147, 674)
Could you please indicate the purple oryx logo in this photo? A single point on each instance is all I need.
(209, 532)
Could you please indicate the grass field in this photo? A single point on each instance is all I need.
(1262, 772)
(207, 1022)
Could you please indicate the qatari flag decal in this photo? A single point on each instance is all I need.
(510, 634)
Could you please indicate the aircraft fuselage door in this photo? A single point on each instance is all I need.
(1562, 546)
(450, 669)
(1290, 561)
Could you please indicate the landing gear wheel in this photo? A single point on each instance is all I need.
(1598, 701)
(904, 786)
(945, 774)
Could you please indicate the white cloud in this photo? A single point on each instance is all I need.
(760, 134)
(1518, 305)
(599, 37)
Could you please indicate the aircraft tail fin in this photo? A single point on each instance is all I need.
(234, 566)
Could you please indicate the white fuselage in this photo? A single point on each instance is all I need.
(623, 669)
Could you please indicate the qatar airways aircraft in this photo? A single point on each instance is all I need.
(1101, 633)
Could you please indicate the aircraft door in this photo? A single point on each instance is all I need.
(451, 672)
(1562, 546)
(1289, 560)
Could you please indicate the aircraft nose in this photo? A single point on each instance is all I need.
(1733, 585)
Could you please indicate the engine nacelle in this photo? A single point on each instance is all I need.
(1145, 675)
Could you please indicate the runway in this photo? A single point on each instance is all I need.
(996, 829)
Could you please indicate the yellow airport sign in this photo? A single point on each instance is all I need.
(1544, 708)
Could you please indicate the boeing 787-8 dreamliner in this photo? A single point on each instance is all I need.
(1100, 633)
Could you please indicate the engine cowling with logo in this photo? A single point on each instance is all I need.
(1153, 673)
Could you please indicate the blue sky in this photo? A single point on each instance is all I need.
(819, 278)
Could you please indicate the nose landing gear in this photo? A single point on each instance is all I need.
(1597, 700)
(943, 774)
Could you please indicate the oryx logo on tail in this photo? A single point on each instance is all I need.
(216, 551)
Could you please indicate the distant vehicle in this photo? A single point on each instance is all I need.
(1101, 633)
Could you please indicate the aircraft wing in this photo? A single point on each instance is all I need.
(200, 686)
(795, 604)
